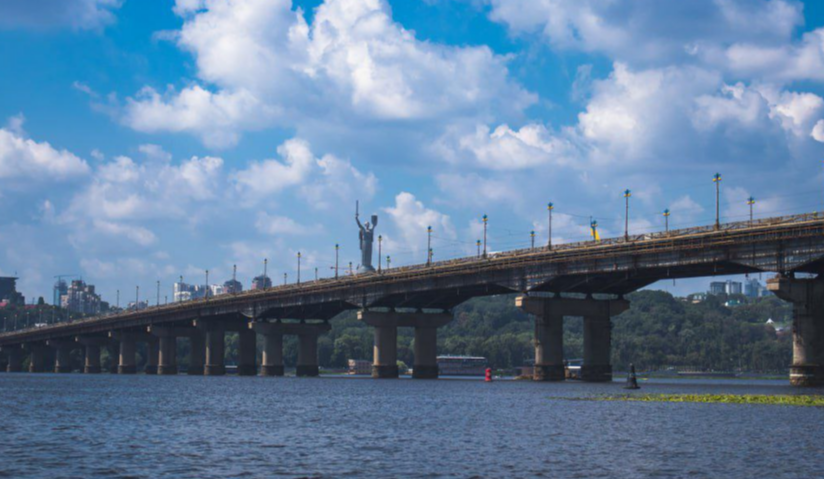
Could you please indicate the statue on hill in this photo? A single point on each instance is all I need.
(367, 238)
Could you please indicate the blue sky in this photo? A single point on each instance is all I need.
(140, 141)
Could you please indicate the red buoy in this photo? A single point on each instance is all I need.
(488, 377)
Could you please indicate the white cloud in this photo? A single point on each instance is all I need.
(137, 234)
(506, 149)
(22, 157)
(47, 14)
(264, 178)
(338, 182)
(643, 31)
(411, 218)
(802, 60)
(270, 67)
(282, 225)
(818, 131)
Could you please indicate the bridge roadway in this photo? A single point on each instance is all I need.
(587, 279)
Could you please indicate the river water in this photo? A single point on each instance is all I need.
(102, 426)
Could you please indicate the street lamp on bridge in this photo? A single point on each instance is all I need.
(380, 243)
(717, 180)
(478, 244)
(298, 282)
(751, 202)
(627, 195)
(666, 219)
(549, 208)
(337, 251)
(532, 237)
(486, 221)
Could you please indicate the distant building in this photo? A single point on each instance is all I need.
(140, 306)
(233, 286)
(754, 289)
(188, 292)
(8, 291)
(262, 282)
(718, 288)
(696, 298)
(60, 289)
(80, 298)
(360, 366)
(725, 287)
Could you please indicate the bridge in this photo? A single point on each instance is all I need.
(587, 279)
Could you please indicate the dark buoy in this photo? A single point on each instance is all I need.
(488, 376)
(632, 381)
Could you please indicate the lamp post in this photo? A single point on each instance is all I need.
(380, 242)
(180, 296)
(627, 195)
(207, 284)
(285, 278)
(337, 251)
(265, 277)
(486, 221)
(428, 245)
(137, 298)
(351, 272)
(158, 292)
(117, 303)
(532, 237)
(666, 219)
(751, 202)
(234, 279)
(549, 208)
(316, 274)
(298, 267)
(717, 180)
(478, 243)
(388, 262)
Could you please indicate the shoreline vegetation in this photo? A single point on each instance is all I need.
(761, 399)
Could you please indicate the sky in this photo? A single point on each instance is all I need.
(142, 141)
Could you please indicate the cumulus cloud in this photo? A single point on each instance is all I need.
(47, 14)
(21, 157)
(818, 131)
(281, 225)
(322, 182)
(647, 32)
(411, 218)
(269, 66)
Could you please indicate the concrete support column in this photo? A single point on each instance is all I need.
(15, 359)
(385, 352)
(426, 354)
(197, 353)
(807, 297)
(92, 363)
(308, 355)
(597, 314)
(127, 363)
(113, 349)
(385, 357)
(247, 353)
(167, 359)
(63, 355)
(152, 356)
(37, 358)
(215, 352)
(272, 358)
(597, 349)
(549, 337)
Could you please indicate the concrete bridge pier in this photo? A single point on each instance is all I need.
(597, 314)
(127, 356)
(247, 353)
(271, 363)
(197, 353)
(308, 355)
(549, 336)
(167, 346)
(152, 356)
(807, 298)
(37, 357)
(385, 357)
(92, 347)
(63, 355)
(113, 350)
(15, 358)
(215, 349)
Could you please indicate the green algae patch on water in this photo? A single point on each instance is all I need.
(772, 400)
